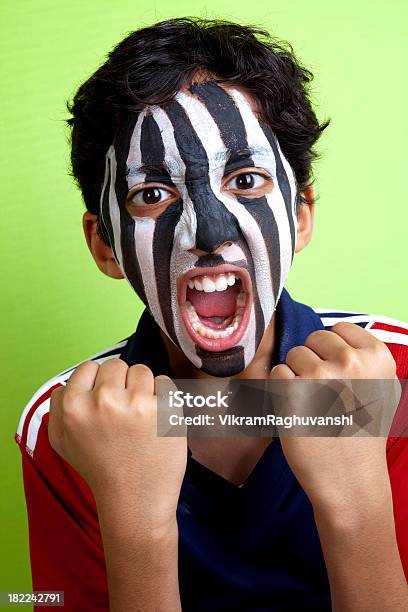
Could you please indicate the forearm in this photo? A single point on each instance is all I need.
(362, 558)
(141, 559)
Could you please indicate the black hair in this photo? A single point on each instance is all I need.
(151, 64)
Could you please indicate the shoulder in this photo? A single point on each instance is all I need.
(35, 413)
(393, 332)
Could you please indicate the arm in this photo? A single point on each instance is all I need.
(346, 478)
(67, 549)
(361, 554)
(103, 423)
(141, 561)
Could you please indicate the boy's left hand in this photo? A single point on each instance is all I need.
(339, 473)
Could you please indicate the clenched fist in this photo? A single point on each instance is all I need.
(104, 423)
(341, 472)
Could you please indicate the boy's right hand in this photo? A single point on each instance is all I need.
(104, 423)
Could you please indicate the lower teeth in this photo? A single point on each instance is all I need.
(208, 332)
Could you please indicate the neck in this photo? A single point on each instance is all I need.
(259, 368)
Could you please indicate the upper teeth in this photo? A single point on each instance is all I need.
(209, 284)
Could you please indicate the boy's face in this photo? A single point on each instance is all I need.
(199, 204)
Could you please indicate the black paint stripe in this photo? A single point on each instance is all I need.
(263, 215)
(215, 223)
(152, 148)
(225, 363)
(209, 261)
(127, 224)
(283, 180)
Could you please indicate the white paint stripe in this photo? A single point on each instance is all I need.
(291, 178)
(180, 263)
(114, 208)
(249, 338)
(144, 231)
(185, 232)
(134, 158)
(105, 182)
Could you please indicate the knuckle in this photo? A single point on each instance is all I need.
(317, 371)
(114, 363)
(316, 336)
(280, 370)
(342, 325)
(142, 368)
(144, 405)
(71, 416)
(104, 395)
(383, 355)
(162, 377)
(88, 365)
(347, 358)
(293, 352)
(381, 349)
(69, 397)
(120, 363)
(56, 396)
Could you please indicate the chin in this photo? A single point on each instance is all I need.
(223, 364)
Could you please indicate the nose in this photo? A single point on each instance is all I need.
(217, 251)
(216, 225)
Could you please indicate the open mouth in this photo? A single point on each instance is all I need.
(215, 305)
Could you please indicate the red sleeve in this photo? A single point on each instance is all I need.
(397, 454)
(65, 543)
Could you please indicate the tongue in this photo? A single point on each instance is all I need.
(215, 304)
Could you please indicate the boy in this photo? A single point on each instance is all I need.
(192, 146)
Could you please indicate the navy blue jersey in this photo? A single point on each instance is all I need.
(254, 547)
(251, 548)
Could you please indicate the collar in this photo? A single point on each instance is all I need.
(294, 322)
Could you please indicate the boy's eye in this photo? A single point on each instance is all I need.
(246, 180)
(150, 195)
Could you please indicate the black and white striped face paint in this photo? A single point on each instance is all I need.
(199, 204)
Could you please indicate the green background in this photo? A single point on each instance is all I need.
(58, 309)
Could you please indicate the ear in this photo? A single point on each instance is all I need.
(101, 252)
(305, 218)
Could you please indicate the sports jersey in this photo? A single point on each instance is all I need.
(251, 548)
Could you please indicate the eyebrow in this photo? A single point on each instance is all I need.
(247, 153)
(220, 158)
(174, 168)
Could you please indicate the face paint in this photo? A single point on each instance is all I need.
(199, 205)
